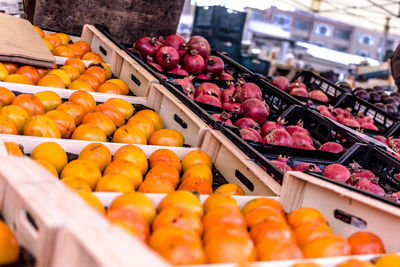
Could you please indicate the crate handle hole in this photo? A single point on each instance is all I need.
(349, 219)
(246, 182)
(180, 121)
(135, 80)
(28, 225)
(102, 50)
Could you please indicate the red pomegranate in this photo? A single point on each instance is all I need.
(279, 137)
(268, 126)
(328, 114)
(247, 91)
(214, 66)
(364, 174)
(380, 138)
(167, 57)
(368, 185)
(199, 44)
(176, 41)
(208, 89)
(255, 109)
(305, 146)
(369, 126)
(227, 95)
(187, 86)
(203, 76)
(193, 63)
(178, 70)
(298, 128)
(337, 172)
(332, 147)
(230, 106)
(281, 163)
(225, 77)
(147, 46)
(223, 117)
(156, 66)
(306, 167)
(256, 131)
(245, 123)
(297, 84)
(209, 99)
(319, 95)
(248, 135)
(299, 92)
(300, 139)
(281, 82)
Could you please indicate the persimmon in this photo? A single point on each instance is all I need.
(29, 72)
(262, 202)
(74, 110)
(303, 215)
(196, 184)
(63, 51)
(98, 72)
(179, 251)
(132, 218)
(92, 56)
(83, 99)
(78, 51)
(100, 120)
(98, 153)
(111, 112)
(115, 183)
(77, 63)
(164, 171)
(42, 71)
(9, 245)
(81, 85)
(129, 135)
(14, 149)
(123, 85)
(63, 75)
(3, 72)
(89, 132)
(133, 154)
(166, 137)
(11, 67)
(182, 218)
(39, 31)
(49, 99)
(6, 96)
(145, 125)
(48, 166)
(72, 72)
(156, 185)
(92, 200)
(106, 68)
(63, 37)
(64, 122)
(48, 44)
(76, 183)
(83, 169)
(54, 40)
(225, 228)
(218, 200)
(94, 82)
(274, 249)
(389, 260)
(41, 126)
(84, 45)
(196, 157)
(327, 246)
(366, 243)
(16, 114)
(137, 201)
(223, 215)
(52, 80)
(154, 116)
(51, 152)
(30, 103)
(182, 199)
(123, 106)
(307, 232)
(127, 168)
(272, 230)
(18, 78)
(261, 214)
(229, 189)
(167, 156)
(7, 126)
(200, 171)
(109, 88)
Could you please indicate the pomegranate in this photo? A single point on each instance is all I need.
(223, 117)
(306, 146)
(322, 108)
(328, 114)
(299, 92)
(227, 95)
(245, 123)
(339, 111)
(380, 138)
(147, 46)
(364, 119)
(279, 137)
(300, 139)
(157, 66)
(176, 41)
(393, 143)
(209, 99)
(231, 106)
(297, 84)
(268, 126)
(208, 89)
(369, 126)
(337, 172)
(214, 66)
(255, 109)
(319, 95)
(332, 147)
(364, 174)
(187, 86)
(248, 91)
(368, 185)
(199, 44)
(203, 76)
(281, 163)
(298, 128)
(167, 57)
(281, 82)
(178, 70)
(248, 135)
(226, 77)
(193, 63)
(306, 167)
(350, 122)
(256, 132)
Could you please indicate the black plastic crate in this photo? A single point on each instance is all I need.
(382, 120)
(321, 130)
(255, 64)
(315, 82)
(382, 164)
(231, 47)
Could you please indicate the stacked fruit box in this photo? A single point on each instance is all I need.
(163, 142)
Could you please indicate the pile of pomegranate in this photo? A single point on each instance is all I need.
(299, 89)
(344, 117)
(387, 102)
(174, 55)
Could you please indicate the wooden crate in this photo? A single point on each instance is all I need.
(237, 167)
(345, 210)
(107, 198)
(221, 159)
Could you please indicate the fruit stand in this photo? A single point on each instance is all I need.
(167, 152)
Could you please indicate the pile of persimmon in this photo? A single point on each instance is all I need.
(45, 115)
(9, 252)
(389, 260)
(60, 44)
(185, 232)
(73, 75)
(128, 169)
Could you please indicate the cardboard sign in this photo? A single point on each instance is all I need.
(20, 43)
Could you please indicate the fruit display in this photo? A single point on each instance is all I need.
(128, 169)
(44, 114)
(60, 44)
(173, 57)
(9, 247)
(220, 231)
(387, 102)
(74, 75)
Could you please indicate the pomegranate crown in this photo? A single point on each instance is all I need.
(193, 52)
